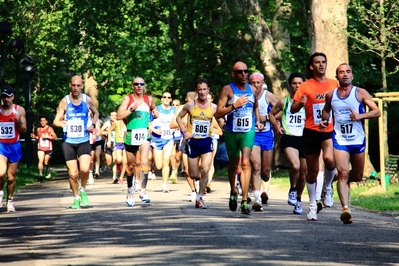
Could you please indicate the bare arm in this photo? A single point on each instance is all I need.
(221, 109)
(20, 120)
(277, 110)
(325, 115)
(59, 120)
(123, 110)
(52, 134)
(179, 119)
(174, 124)
(365, 97)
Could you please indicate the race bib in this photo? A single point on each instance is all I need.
(166, 132)
(75, 128)
(201, 128)
(242, 123)
(317, 111)
(7, 130)
(45, 143)
(139, 136)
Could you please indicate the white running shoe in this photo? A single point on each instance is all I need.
(292, 197)
(298, 208)
(165, 188)
(130, 198)
(328, 200)
(312, 214)
(91, 179)
(257, 206)
(144, 197)
(48, 175)
(10, 206)
(152, 176)
(193, 197)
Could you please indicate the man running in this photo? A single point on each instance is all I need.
(237, 100)
(45, 136)
(311, 95)
(73, 116)
(291, 130)
(349, 140)
(135, 109)
(12, 124)
(198, 137)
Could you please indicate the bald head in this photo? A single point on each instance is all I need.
(239, 65)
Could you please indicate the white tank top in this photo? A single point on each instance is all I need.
(346, 131)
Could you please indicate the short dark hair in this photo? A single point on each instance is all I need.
(200, 81)
(43, 116)
(295, 75)
(309, 72)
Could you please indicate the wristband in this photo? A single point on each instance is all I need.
(131, 109)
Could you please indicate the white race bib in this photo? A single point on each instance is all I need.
(201, 128)
(7, 130)
(139, 136)
(75, 128)
(242, 123)
(317, 112)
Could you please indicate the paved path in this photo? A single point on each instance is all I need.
(170, 231)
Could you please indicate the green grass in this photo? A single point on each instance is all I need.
(371, 198)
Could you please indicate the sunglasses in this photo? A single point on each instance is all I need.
(138, 84)
(166, 97)
(241, 71)
(175, 105)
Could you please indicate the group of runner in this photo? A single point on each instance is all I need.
(140, 135)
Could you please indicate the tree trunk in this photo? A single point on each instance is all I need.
(329, 20)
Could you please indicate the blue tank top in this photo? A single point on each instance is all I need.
(241, 119)
(77, 117)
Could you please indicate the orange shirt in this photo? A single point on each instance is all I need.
(316, 92)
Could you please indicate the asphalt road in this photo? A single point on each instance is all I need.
(170, 231)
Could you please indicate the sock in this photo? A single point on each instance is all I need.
(129, 180)
(144, 180)
(319, 184)
(329, 178)
(312, 193)
(82, 189)
(199, 196)
(298, 199)
(77, 197)
(256, 195)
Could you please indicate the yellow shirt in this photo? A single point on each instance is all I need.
(200, 121)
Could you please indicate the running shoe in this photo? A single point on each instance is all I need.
(115, 180)
(233, 201)
(312, 214)
(319, 206)
(130, 198)
(173, 177)
(264, 197)
(48, 175)
(76, 204)
(346, 216)
(245, 208)
(199, 203)
(10, 206)
(208, 188)
(91, 179)
(1, 198)
(165, 188)
(97, 175)
(152, 176)
(328, 200)
(257, 206)
(193, 196)
(84, 198)
(144, 197)
(298, 208)
(41, 178)
(292, 197)
(249, 199)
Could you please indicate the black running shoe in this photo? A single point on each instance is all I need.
(264, 197)
(245, 208)
(233, 202)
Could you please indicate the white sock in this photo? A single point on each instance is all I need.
(312, 193)
(319, 184)
(329, 178)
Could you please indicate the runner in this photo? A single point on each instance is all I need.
(45, 136)
(197, 134)
(347, 103)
